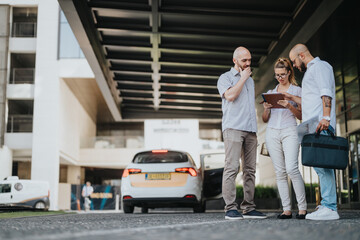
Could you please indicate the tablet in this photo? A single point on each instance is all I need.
(273, 98)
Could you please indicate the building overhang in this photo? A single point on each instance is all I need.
(162, 59)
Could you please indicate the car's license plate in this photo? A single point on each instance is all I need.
(157, 176)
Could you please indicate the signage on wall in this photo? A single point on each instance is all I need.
(174, 134)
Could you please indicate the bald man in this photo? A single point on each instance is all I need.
(318, 104)
(237, 92)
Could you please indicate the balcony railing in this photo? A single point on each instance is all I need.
(114, 142)
(23, 75)
(24, 29)
(20, 123)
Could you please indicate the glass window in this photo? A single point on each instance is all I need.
(340, 125)
(24, 22)
(5, 188)
(167, 157)
(350, 73)
(339, 102)
(338, 81)
(352, 94)
(69, 47)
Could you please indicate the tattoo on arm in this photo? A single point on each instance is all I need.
(327, 101)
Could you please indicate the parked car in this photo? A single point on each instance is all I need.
(166, 178)
(24, 193)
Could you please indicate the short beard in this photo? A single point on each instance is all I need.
(302, 67)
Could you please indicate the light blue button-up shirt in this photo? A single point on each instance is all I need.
(239, 114)
(318, 81)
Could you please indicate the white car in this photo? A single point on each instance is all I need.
(24, 193)
(166, 178)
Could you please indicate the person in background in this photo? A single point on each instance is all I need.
(86, 193)
(282, 139)
(237, 91)
(318, 102)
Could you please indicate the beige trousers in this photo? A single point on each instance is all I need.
(239, 143)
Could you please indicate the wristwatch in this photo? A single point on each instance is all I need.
(327, 118)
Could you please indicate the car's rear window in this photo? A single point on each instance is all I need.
(169, 157)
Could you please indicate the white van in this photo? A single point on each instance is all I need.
(24, 193)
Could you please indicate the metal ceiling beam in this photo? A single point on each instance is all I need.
(194, 32)
(191, 10)
(155, 53)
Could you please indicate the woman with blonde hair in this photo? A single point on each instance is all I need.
(281, 138)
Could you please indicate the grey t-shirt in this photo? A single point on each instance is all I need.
(239, 114)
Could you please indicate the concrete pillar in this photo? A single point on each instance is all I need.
(5, 162)
(46, 123)
(74, 174)
(4, 47)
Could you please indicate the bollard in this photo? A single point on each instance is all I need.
(317, 195)
(78, 204)
(117, 205)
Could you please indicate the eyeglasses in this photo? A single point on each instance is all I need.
(283, 75)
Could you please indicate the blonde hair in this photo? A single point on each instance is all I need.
(285, 63)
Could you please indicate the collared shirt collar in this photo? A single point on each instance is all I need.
(312, 62)
(234, 71)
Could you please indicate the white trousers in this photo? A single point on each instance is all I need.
(283, 148)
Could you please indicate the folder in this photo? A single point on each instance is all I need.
(273, 98)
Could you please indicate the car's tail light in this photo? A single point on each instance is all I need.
(190, 196)
(191, 171)
(127, 197)
(159, 151)
(129, 171)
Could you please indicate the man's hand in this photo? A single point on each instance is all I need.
(288, 96)
(323, 125)
(245, 74)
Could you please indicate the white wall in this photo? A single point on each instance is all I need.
(5, 162)
(22, 45)
(20, 91)
(107, 158)
(19, 140)
(76, 126)
(46, 135)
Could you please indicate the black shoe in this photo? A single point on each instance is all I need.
(254, 214)
(301, 216)
(284, 216)
(233, 215)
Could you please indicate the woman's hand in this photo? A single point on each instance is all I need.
(284, 103)
(288, 96)
(267, 106)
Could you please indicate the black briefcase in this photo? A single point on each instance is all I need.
(324, 151)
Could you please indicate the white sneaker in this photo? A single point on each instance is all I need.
(323, 213)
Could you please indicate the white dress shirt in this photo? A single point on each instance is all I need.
(318, 81)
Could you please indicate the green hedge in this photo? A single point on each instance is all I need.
(260, 192)
(310, 198)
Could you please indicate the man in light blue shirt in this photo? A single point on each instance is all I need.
(237, 92)
(318, 102)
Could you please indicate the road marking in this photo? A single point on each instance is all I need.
(127, 230)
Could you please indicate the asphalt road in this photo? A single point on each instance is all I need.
(176, 225)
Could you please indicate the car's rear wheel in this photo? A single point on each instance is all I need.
(128, 208)
(144, 210)
(200, 208)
